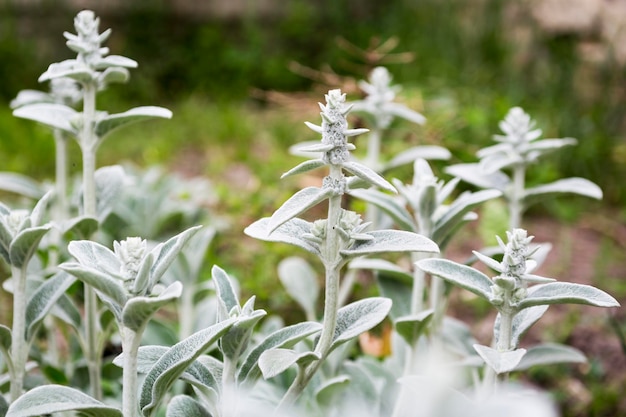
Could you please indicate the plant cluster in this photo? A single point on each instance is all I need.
(223, 359)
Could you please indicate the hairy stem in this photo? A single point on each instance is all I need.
(88, 147)
(19, 345)
(130, 346)
(332, 265)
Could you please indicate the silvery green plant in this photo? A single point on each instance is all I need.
(521, 298)
(93, 69)
(126, 280)
(519, 148)
(380, 109)
(336, 240)
(426, 206)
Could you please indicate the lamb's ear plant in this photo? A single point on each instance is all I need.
(521, 298)
(336, 240)
(94, 69)
(516, 151)
(380, 109)
(127, 282)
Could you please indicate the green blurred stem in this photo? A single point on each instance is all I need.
(373, 149)
(516, 205)
(88, 144)
(332, 265)
(19, 345)
(131, 340)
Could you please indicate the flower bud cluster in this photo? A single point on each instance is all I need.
(15, 220)
(87, 41)
(351, 227)
(334, 128)
(338, 185)
(131, 253)
(510, 284)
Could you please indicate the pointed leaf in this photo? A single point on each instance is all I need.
(57, 116)
(42, 301)
(297, 204)
(300, 281)
(488, 261)
(412, 327)
(496, 162)
(166, 253)
(290, 232)
(567, 293)
(175, 361)
(109, 185)
(114, 75)
(25, 244)
(473, 174)
(326, 394)
(359, 317)
(50, 399)
(236, 340)
(305, 166)
(185, 406)
(197, 374)
(458, 209)
(70, 68)
(116, 61)
(94, 255)
(82, 227)
(20, 184)
(114, 121)
(224, 288)
(276, 361)
(283, 338)
(39, 211)
(548, 354)
(313, 147)
(578, 186)
(109, 288)
(368, 175)
(389, 205)
(461, 275)
(402, 111)
(390, 241)
(382, 265)
(138, 310)
(550, 144)
(424, 152)
(66, 310)
(500, 362)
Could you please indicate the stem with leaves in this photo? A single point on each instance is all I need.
(88, 147)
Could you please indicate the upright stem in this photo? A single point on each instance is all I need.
(88, 147)
(130, 346)
(515, 203)
(19, 345)
(372, 160)
(373, 148)
(61, 207)
(332, 266)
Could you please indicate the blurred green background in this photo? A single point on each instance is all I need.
(240, 78)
